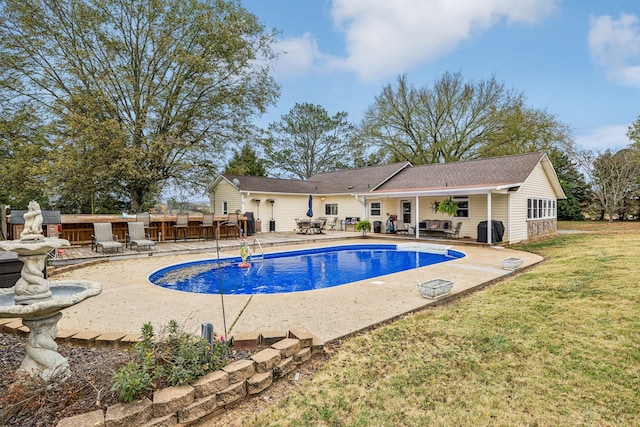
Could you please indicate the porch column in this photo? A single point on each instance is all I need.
(489, 224)
(416, 219)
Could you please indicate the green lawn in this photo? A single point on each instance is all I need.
(557, 345)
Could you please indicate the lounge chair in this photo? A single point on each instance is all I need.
(182, 222)
(137, 237)
(104, 238)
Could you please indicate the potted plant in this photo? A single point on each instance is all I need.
(363, 225)
(448, 207)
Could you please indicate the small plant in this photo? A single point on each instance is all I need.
(448, 207)
(363, 225)
(139, 375)
(187, 357)
(180, 359)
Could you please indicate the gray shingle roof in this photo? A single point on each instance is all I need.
(338, 182)
(496, 171)
(358, 180)
(399, 177)
(272, 185)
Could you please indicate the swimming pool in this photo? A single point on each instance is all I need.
(302, 270)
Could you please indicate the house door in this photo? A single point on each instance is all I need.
(406, 211)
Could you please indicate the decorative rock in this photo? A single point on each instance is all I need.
(259, 382)
(198, 409)
(129, 414)
(168, 400)
(231, 394)
(302, 356)
(287, 347)
(93, 418)
(266, 359)
(283, 368)
(240, 370)
(211, 383)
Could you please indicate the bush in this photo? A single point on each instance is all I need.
(180, 359)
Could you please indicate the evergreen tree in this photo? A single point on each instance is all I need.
(246, 162)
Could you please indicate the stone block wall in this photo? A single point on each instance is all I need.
(278, 354)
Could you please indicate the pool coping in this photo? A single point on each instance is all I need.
(128, 299)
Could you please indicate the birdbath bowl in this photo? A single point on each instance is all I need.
(38, 301)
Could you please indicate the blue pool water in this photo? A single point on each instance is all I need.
(296, 271)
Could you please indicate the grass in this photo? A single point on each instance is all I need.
(556, 345)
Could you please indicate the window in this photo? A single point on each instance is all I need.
(225, 207)
(463, 207)
(541, 208)
(331, 209)
(375, 209)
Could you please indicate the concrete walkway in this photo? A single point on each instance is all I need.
(129, 300)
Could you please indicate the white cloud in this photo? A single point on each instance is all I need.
(612, 137)
(297, 55)
(615, 45)
(386, 37)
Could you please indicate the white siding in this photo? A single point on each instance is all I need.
(537, 185)
(288, 207)
(224, 191)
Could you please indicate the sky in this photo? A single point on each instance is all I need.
(576, 59)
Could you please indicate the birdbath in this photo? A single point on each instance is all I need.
(38, 301)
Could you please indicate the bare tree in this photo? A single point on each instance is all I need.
(613, 177)
(457, 120)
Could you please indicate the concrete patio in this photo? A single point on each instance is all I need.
(129, 300)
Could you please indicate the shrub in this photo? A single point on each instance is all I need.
(138, 376)
(180, 359)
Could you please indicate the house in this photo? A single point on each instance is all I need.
(521, 191)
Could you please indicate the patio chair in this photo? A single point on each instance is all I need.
(455, 232)
(332, 223)
(207, 224)
(232, 225)
(137, 237)
(182, 222)
(145, 218)
(402, 228)
(104, 238)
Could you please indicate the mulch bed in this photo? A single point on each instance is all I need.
(30, 402)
